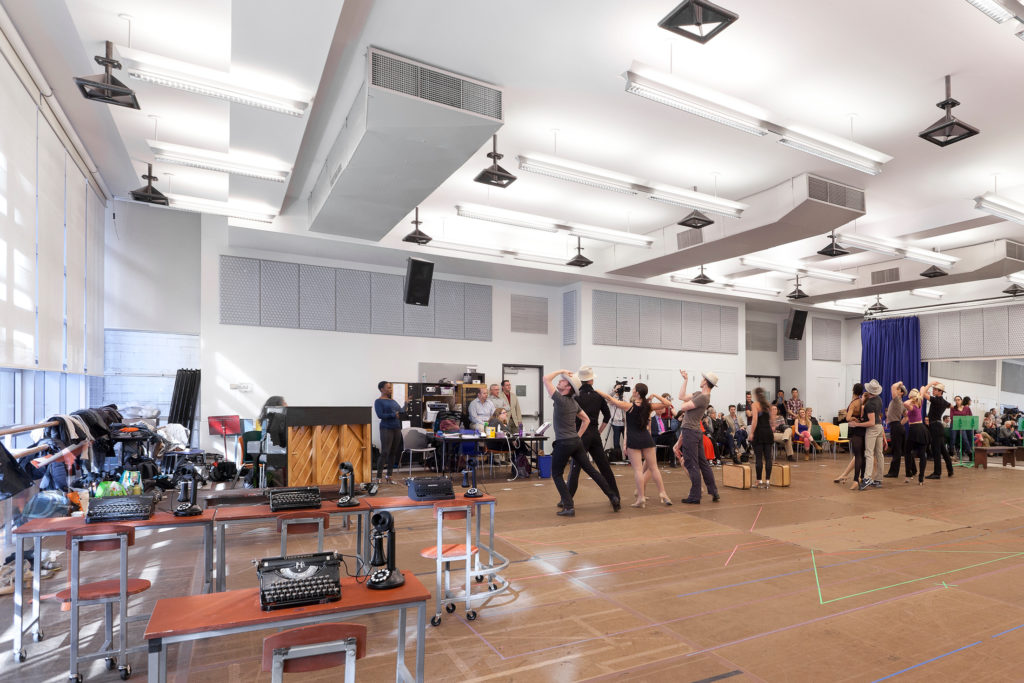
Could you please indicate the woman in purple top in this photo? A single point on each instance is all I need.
(917, 434)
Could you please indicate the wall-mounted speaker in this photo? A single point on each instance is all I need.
(795, 324)
(418, 276)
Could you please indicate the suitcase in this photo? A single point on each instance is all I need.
(736, 476)
(780, 475)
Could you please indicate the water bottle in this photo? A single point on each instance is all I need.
(520, 430)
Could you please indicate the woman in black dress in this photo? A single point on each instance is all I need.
(761, 428)
(640, 447)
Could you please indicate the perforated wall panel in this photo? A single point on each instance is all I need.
(1015, 330)
(650, 322)
(419, 320)
(929, 336)
(762, 336)
(529, 314)
(996, 331)
(710, 327)
(387, 303)
(1012, 378)
(671, 324)
(570, 312)
(730, 330)
(949, 334)
(790, 349)
(627, 319)
(603, 316)
(826, 339)
(978, 371)
(972, 333)
(279, 294)
(450, 309)
(239, 282)
(478, 312)
(352, 300)
(691, 326)
(316, 298)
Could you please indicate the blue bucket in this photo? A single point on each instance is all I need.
(544, 466)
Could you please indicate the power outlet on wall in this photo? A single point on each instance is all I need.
(242, 386)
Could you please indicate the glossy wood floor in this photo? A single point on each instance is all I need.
(808, 583)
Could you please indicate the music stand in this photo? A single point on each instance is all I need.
(225, 426)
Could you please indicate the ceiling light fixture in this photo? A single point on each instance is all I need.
(851, 307)
(104, 87)
(525, 220)
(933, 271)
(798, 269)
(199, 80)
(417, 236)
(998, 206)
(1016, 277)
(702, 279)
(878, 306)
(833, 249)
(948, 129)
(730, 286)
(579, 260)
(696, 219)
(884, 245)
(494, 174)
(597, 178)
(607, 235)
(698, 201)
(470, 249)
(993, 10)
(194, 157)
(258, 213)
(927, 293)
(698, 20)
(147, 193)
(797, 293)
(837, 150)
(1014, 289)
(655, 87)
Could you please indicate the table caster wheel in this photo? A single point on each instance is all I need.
(38, 636)
(480, 579)
(471, 615)
(111, 663)
(450, 607)
(435, 620)
(21, 655)
(492, 587)
(77, 678)
(126, 672)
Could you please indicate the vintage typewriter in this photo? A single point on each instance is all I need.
(299, 580)
(430, 488)
(119, 509)
(297, 498)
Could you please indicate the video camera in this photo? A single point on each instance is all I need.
(621, 388)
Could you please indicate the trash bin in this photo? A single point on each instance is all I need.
(544, 466)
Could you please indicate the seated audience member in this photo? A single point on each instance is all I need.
(498, 399)
(665, 426)
(722, 437)
(803, 430)
(841, 416)
(781, 432)
(989, 431)
(738, 430)
(780, 403)
(1008, 435)
(480, 411)
(810, 415)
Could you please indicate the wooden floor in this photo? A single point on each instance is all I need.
(808, 583)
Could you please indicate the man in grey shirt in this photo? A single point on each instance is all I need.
(568, 443)
(896, 418)
(690, 445)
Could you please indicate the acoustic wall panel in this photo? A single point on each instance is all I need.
(710, 328)
(729, 336)
(419, 320)
(929, 336)
(279, 294)
(478, 312)
(691, 326)
(450, 309)
(671, 324)
(627, 319)
(790, 349)
(949, 334)
(1015, 330)
(352, 301)
(1012, 378)
(972, 332)
(528, 314)
(826, 339)
(317, 291)
(650, 322)
(387, 303)
(762, 336)
(996, 342)
(239, 290)
(604, 316)
(570, 313)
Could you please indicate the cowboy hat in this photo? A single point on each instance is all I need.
(873, 388)
(712, 378)
(574, 381)
(586, 373)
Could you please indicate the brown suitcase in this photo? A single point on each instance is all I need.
(780, 475)
(736, 476)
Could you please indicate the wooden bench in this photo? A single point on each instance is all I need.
(1009, 453)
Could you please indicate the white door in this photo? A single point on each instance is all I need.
(526, 387)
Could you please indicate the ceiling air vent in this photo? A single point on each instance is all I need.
(688, 238)
(880, 277)
(434, 85)
(834, 193)
(1014, 250)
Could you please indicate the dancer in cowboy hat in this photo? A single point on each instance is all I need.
(690, 444)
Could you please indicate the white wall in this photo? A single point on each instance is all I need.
(152, 270)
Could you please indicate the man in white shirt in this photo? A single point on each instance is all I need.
(480, 411)
(497, 399)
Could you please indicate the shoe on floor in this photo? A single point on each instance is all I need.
(715, 498)
(891, 476)
(790, 458)
(934, 476)
(690, 502)
(566, 512)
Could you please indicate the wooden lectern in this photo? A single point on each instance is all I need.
(321, 438)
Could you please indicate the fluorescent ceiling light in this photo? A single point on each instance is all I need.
(838, 150)
(665, 89)
(533, 222)
(468, 248)
(1000, 207)
(733, 286)
(884, 245)
(576, 173)
(798, 269)
(689, 199)
(537, 258)
(255, 212)
(1016, 278)
(194, 157)
(928, 293)
(192, 78)
(993, 10)
(852, 307)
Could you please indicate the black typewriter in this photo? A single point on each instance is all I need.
(430, 488)
(296, 580)
(297, 498)
(119, 509)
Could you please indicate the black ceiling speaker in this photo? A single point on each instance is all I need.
(494, 174)
(104, 87)
(579, 260)
(797, 293)
(696, 219)
(878, 306)
(1014, 289)
(948, 129)
(698, 20)
(148, 193)
(833, 249)
(417, 236)
(795, 324)
(934, 271)
(418, 276)
(702, 279)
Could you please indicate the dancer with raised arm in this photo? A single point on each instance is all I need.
(690, 446)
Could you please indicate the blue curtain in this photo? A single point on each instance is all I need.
(891, 352)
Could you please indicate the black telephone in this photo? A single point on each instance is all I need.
(383, 574)
(467, 474)
(188, 490)
(346, 497)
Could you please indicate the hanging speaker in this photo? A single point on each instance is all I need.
(795, 324)
(418, 276)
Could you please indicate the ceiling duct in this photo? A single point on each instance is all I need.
(881, 277)
(410, 128)
(688, 238)
(800, 207)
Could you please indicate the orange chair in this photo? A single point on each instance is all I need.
(314, 648)
(831, 432)
(106, 592)
(303, 522)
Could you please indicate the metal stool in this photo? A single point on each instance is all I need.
(313, 648)
(303, 522)
(98, 538)
(444, 554)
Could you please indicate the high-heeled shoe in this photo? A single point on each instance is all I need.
(855, 486)
(665, 500)
(839, 480)
(639, 503)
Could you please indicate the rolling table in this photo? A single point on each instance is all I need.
(198, 617)
(531, 440)
(36, 529)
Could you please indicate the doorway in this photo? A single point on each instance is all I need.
(770, 384)
(527, 385)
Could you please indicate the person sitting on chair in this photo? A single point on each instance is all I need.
(1008, 435)
(507, 439)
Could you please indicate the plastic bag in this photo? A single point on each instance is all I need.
(13, 479)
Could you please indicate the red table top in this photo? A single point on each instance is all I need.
(241, 608)
(407, 502)
(62, 524)
(238, 513)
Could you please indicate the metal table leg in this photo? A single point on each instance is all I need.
(222, 568)
(37, 563)
(208, 557)
(19, 581)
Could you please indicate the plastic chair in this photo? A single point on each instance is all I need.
(102, 537)
(314, 648)
(844, 435)
(831, 435)
(444, 554)
(303, 522)
(415, 441)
